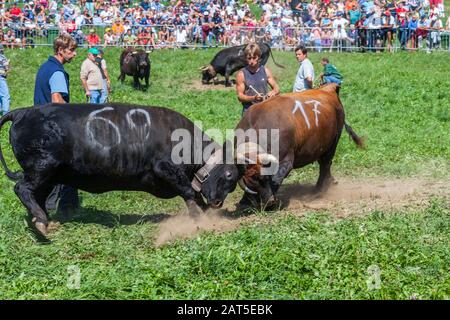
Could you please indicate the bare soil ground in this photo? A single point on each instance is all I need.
(197, 85)
(347, 198)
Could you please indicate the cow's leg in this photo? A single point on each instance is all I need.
(136, 83)
(31, 196)
(284, 169)
(227, 76)
(325, 177)
(121, 77)
(147, 83)
(178, 180)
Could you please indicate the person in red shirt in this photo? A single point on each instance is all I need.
(92, 39)
(15, 12)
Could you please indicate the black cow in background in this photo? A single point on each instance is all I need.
(135, 63)
(105, 147)
(229, 60)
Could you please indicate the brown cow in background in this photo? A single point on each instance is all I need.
(310, 125)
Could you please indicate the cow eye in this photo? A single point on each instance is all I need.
(228, 174)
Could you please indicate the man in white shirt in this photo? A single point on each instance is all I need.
(305, 75)
(181, 36)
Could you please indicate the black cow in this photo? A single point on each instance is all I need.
(137, 65)
(105, 147)
(229, 60)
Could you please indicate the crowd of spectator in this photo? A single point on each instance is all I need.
(320, 24)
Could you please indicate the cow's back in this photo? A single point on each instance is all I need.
(308, 122)
(99, 143)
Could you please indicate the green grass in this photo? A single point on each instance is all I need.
(399, 102)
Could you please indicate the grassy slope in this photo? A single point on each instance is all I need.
(399, 102)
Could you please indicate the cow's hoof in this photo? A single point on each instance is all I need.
(41, 227)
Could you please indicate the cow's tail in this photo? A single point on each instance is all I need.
(11, 175)
(273, 59)
(358, 140)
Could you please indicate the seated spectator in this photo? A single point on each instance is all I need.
(118, 28)
(129, 39)
(108, 38)
(79, 38)
(93, 39)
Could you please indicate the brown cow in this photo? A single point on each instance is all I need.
(310, 125)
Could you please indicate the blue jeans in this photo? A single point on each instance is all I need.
(95, 96)
(5, 98)
(329, 79)
(104, 94)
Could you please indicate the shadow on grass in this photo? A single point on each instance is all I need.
(107, 219)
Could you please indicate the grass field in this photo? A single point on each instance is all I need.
(396, 248)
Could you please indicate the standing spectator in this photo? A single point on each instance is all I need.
(330, 73)
(90, 6)
(52, 85)
(91, 77)
(388, 22)
(252, 81)
(106, 81)
(305, 75)
(5, 98)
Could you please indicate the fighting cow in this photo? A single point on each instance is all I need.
(135, 64)
(106, 147)
(310, 125)
(229, 60)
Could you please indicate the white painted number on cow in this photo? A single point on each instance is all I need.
(315, 110)
(133, 124)
(299, 106)
(93, 117)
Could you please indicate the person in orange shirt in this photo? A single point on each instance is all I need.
(118, 28)
(349, 5)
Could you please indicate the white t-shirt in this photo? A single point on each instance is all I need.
(181, 35)
(306, 70)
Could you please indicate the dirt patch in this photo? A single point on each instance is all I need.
(185, 226)
(347, 198)
(197, 85)
(352, 197)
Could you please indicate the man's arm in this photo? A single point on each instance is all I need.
(274, 85)
(58, 86)
(309, 74)
(240, 88)
(57, 98)
(83, 78)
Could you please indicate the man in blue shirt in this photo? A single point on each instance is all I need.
(52, 86)
(5, 98)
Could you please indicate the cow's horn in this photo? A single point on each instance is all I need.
(148, 51)
(202, 68)
(134, 52)
(267, 158)
(244, 187)
(212, 71)
(241, 157)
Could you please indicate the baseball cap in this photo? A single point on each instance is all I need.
(93, 51)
